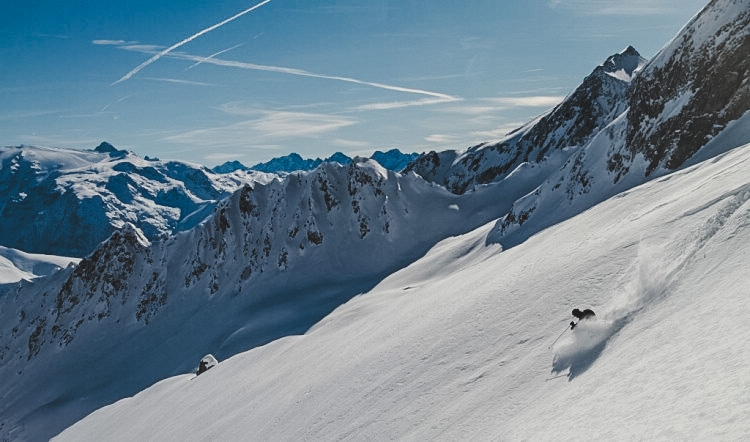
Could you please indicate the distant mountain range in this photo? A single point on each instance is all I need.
(65, 202)
(181, 261)
(393, 159)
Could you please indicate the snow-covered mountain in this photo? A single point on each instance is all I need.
(545, 142)
(696, 86)
(65, 202)
(628, 122)
(272, 260)
(459, 345)
(393, 159)
(624, 152)
(276, 257)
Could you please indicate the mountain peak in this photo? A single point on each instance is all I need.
(394, 159)
(339, 158)
(229, 167)
(624, 64)
(288, 163)
(105, 147)
(630, 50)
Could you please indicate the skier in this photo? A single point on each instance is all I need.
(207, 362)
(581, 315)
(586, 314)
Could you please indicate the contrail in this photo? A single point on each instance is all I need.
(187, 40)
(215, 54)
(303, 73)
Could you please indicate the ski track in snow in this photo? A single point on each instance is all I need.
(657, 268)
(456, 346)
(451, 348)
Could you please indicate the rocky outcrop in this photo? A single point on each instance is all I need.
(693, 88)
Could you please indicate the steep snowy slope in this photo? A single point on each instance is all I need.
(272, 260)
(458, 345)
(65, 202)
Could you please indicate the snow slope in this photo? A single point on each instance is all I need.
(271, 261)
(275, 258)
(457, 345)
(16, 265)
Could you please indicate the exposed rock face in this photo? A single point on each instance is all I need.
(102, 282)
(685, 96)
(693, 88)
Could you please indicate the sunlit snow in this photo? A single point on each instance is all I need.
(457, 346)
(16, 265)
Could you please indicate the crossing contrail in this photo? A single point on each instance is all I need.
(188, 40)
(215, 54)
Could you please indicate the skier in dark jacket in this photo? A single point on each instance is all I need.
(585, 314)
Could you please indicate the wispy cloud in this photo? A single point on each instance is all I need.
(529, 101)
(179, 81)
(402, 104)
(350, 144)
(471, 109)
(71, 139)
(442, 139)
(299, 124)
(113, 42)
(127, 45)
(56, 36)
(27, 114)
(498, 132)
(494, 105)
(187, 40)
(241, 108)
(618, 7)
(269, 128)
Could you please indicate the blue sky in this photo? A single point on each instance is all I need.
(312, 77)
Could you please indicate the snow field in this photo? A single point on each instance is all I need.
(456, 346)
(16, 265)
